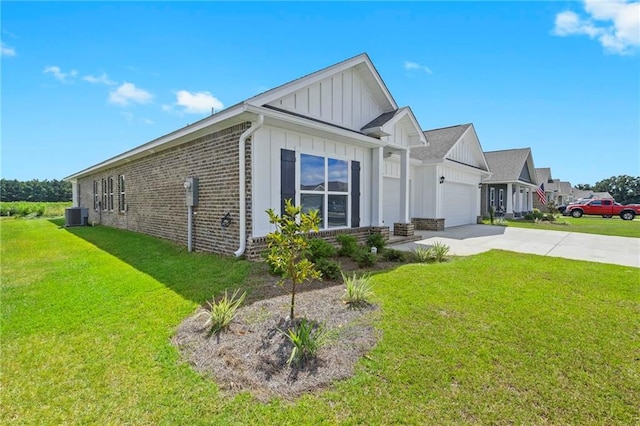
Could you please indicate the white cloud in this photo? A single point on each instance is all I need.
(59, 75)
(196, 103)
(6, 50)
(614, 23)
(127, 93)
(101, 79)
(148, 121)
(414, 66)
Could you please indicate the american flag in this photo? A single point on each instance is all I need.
(541, 195)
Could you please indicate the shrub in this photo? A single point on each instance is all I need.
(222, 312)
(393, 255)
(348, 245)
(307, 337)
(320, 249)
(364, 258)
(534, 215)
(330, 269)
(421, 254)
(439, 251)
(288, 244)
(358, 290)
(376, 240)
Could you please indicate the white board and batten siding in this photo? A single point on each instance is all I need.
(342, 99)
(266, 146)
(467, 151)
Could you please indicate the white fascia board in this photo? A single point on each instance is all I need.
(164, 142)
(299, 83)
(274, 117)
(402, 113)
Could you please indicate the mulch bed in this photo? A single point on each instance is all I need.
(252, 354)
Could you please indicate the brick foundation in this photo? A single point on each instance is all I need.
(425, 224)
(403, 229)
(255, 246)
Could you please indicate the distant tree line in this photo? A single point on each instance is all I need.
(624, 189)
(35, 190)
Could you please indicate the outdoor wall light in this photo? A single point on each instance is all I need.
(441, 179)
(480, 185)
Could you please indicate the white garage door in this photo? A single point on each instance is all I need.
(459, 204)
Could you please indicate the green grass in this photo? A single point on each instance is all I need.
(35, 209)
(87, 314)
(586, 224)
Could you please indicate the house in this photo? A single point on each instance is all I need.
(334, 140)
(512, 184)
(447, 176)
(588, 194)
(556, 191)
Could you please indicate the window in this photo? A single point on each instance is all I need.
(110, 199)
(103, 206)
(324, 186)
(95, 195)
(501, 198)
(492, 197)
(121, 198)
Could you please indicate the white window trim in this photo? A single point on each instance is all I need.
(122, 194)
(326, 192)
(492, 197)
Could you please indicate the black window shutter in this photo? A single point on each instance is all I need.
(355, 194)
(287, 177)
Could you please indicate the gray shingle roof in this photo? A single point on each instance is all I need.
(440, 142)
(380, 120)
(506, 165)
(543, 173)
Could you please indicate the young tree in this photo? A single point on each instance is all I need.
(288, 244)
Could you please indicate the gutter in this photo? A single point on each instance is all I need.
(242, 179)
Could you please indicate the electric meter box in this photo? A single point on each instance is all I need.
(191, 188)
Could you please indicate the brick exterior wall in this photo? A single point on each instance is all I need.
(155, 195)
(255, 246)
(425, 224)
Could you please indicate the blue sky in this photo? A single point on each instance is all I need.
(82, 82)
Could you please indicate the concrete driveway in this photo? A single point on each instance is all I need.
(473, 239)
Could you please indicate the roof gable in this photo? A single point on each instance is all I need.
(511, 165)
(348, 94)
(459, 144)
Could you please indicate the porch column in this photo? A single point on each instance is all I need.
(510, 198)
(404, 186)
(530, 199)
(377, 169)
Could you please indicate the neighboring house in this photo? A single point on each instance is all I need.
(446, 178)
(334, 140)
(557, 191)
(512, 184)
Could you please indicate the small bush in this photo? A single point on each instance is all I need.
(440, 251)
(421, 254)
(307, 337)
(348, 245)
(376, 240)
(320, 249)
(222, 312)
(364, 258)
(358, 290)
(393, 255)
(330, 269)
(534, 215)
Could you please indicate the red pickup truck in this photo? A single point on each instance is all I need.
(604, 208)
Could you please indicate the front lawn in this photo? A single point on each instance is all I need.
(88, 313)
(586, 224)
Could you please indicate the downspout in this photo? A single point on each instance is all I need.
(242, 178)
